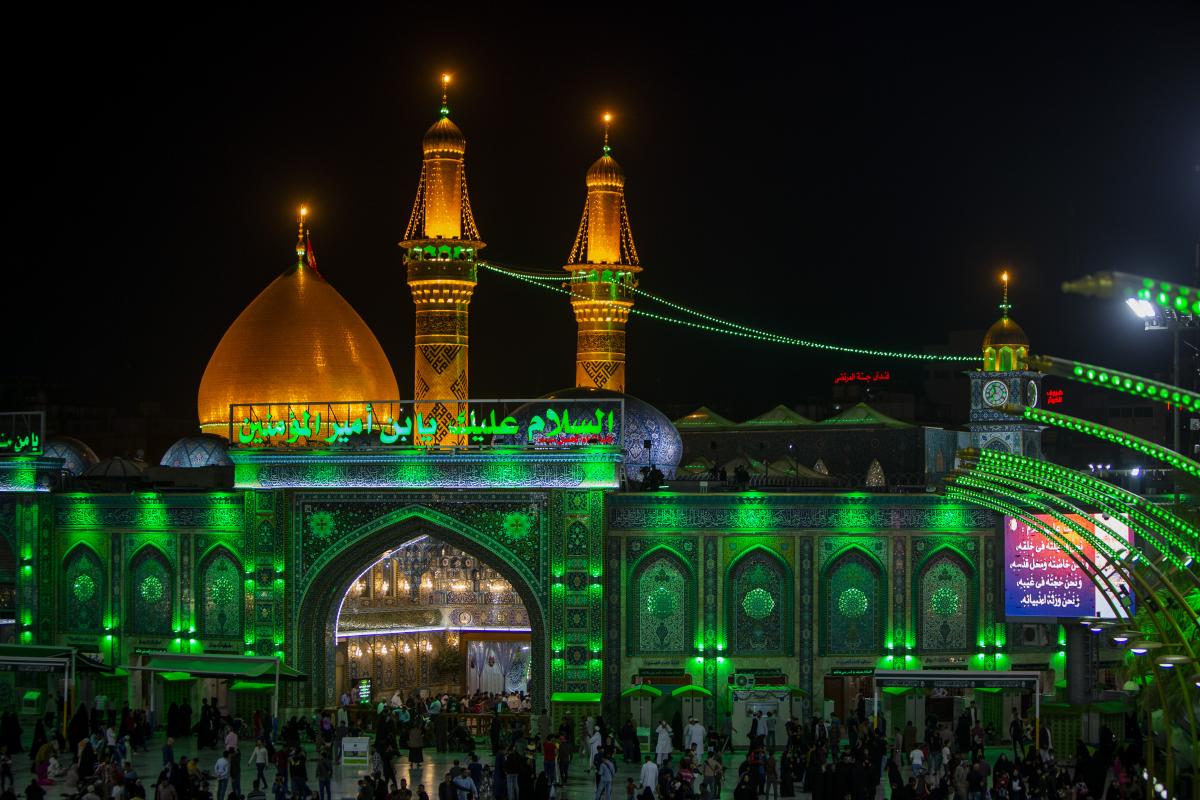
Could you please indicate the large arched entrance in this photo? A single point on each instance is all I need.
(320, 605)
(428, 619)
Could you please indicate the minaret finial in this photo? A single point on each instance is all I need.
(301, 248)
(445, 88)
(1004, 304)
(607, 122)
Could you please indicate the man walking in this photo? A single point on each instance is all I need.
(221, 773)
(605, 770)
(649, 777)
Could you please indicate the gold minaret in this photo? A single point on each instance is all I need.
(440, 246)
(603, 266)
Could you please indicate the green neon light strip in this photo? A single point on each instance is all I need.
(1147, 527)
(1149, 448)
(1019, 490)
(1144, 533)
(1179, 298)
(1136, 581)
(733, 329)
(1117, 381)
(1115, 493)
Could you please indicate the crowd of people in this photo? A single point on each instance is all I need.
(827, 759)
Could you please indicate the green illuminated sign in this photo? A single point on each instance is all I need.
(22, 433)
(481, 424)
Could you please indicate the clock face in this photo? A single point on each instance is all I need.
(995, 393)
(1031, 394)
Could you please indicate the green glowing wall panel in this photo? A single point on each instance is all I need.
(221, 596)
(662, 605)
(84, 591)
(854, 605)
(759, 597)
(150, 595)
(945, 604)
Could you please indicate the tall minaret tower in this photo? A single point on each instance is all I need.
(440, 247)
(603, 266)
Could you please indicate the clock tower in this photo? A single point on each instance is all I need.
(1005, 379)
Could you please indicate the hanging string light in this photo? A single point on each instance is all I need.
(722, 326)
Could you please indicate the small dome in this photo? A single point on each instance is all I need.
(605, 173)
(444, 139)
(642, 422)
(116, 467)
(205, 450)
(1005, 332)
(77, 457)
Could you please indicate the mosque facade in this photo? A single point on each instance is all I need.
(371, 545)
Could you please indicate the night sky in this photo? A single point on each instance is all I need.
(858, 180)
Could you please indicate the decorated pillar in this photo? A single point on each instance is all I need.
(440, 247)
(603, 266)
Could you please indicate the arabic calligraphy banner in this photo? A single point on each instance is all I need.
(1041, 580)
(22, 432)
(476, 424)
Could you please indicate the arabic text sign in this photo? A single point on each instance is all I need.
(876, 376)
(22, 432)
(480, 424)
(1041, 579)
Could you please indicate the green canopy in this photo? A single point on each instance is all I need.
(575, 697)
(897, 690)
(222, 667)
(703, 418)
(691, 688)
(989, 689)
(175, 676)
(48, 655)
(251, 686)
(865, 416)
(642, 689)
(778, 417)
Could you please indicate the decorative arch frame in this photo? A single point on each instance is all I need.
(787, 602)
(213, 553)
(319, 599)
(138, 624)
(634, 600)
(100, 592)
(920, 602)
(828, 602)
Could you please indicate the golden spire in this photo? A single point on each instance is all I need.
(301, 248)
(445, 102)
(607, 120)
(1004, 304)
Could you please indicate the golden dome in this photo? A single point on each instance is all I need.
(444, 139)
(605, 173)
(298, 341)
(1005, 332)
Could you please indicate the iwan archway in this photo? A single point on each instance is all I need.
(325, 588)
(428, 619)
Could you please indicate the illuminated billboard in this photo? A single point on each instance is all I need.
(1042, 580)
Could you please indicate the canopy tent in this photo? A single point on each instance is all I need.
(703, 418)
(251, 686)
(753, 466)
(33, 656)
(778, 417)
(691, 688)
(698, 465)
(642, 690)
(788, 467)
(220, 666)
(185, 666)
(865, 416)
